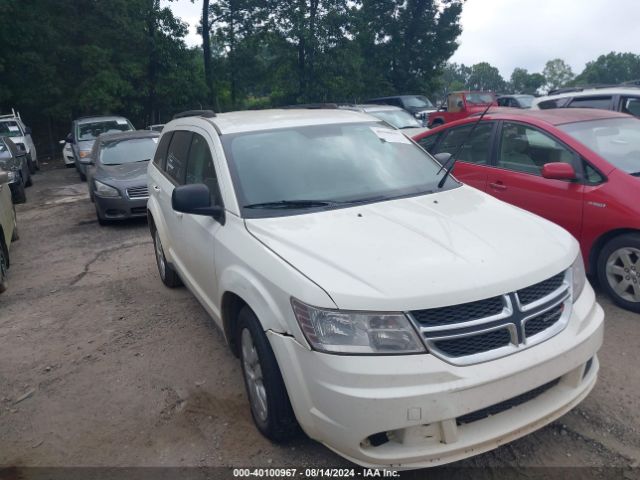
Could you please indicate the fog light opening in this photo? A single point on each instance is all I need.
(376, 440)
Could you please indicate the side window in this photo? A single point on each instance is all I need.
(475, 149)
(453, 103)
(592, 176)
(503, 102)
(603, 103)
(555, 103)
(631, 105)
(177, 156)
(525, 149)
(200, 168)
(160, 157)
(428, 142)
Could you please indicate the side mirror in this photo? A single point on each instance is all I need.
(27, 130)
(558, 171)
(63, 142)
(4, 177)
(442, 157)
(195, 199)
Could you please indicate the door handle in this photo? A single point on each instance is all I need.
(498, 186)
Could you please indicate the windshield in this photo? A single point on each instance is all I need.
(91, 130)
(397, 118)
(325, 166)
(128, 151)
(10, 129)
(617, 140)
(418, 101)
(479, 98)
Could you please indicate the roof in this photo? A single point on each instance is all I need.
(515, 95)
(255, 120)
(590, 92)
(129, 135)
(395, 96)
(553, 116)
(372, 107)
(100, 118)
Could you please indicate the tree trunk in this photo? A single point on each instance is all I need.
(206, 50)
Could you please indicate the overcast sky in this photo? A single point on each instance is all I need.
(523, 33)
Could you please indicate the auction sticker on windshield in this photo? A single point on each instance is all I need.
(391, 136)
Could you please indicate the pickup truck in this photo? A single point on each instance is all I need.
(459, 105)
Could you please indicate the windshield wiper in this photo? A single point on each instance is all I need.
(143, 160)
(292, 204)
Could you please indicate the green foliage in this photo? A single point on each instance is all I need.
(610, 69)
(557, 73)
(524, 82)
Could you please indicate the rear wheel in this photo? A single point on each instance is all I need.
(4, 266)
(15, 235)
(436, 123)
(270, 405)
(619, 270)
(29, 181)
(83, 177)
(167, 274)
(32, 165)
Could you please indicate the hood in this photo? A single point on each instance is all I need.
(131, 173)
(418, 110)
(412, 132)
(442, 249)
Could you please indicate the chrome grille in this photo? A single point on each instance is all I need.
(491, 328)
(138, 192)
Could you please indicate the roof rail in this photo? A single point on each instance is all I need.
(313, 106)
(195, 113)
(580, 88)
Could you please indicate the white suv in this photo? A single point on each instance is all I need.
(625, 99)
(399, 323)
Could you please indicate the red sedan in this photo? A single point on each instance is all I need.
(579, 168)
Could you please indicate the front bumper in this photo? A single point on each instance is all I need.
(415, 402)
(120, 208)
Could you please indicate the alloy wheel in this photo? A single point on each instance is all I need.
(162, 266)
(623, 273)
(254, 378)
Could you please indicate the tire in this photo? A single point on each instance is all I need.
(102, 221)
(69, 165)
(15, 235)
(270, 406)
(37, 164)
(83, 177)
(20, 195)
(32, 166)
(29, 181)
(4, 267)
(167, 274)
(436, 123)
(618, 270)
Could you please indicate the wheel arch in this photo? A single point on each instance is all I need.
(599, 244)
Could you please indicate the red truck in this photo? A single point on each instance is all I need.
(460, 105)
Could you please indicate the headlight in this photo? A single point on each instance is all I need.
(12, 175)
(578, 277)
(106, 190)
(85, 153)
(365, 333)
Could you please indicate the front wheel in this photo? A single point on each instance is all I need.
(619, 270)
(270, 406)
(19, 194)
(167, 274)
(31, 165)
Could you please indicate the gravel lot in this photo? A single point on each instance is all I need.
(101, 365)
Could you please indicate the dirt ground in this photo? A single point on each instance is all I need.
(101, 365)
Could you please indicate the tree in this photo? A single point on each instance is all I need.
(524, 82)
(483, 76)
(611, 68)
(557, 73)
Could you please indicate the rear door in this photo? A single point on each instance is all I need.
(630, 105)
(521, 152)
(602, 102)
(473, 159)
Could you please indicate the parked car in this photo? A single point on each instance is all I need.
(577, 168)
(13, 160)
(400, 323)
(8, 228)
(117, 174)
(515, 101)
(67, 154)
(156, 128)
(625, 99)
(84, 132)
(459, 105)
(12, 126)
(417, 105)
(394, 116)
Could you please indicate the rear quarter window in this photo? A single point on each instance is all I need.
(160, 157)
(177, 154)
